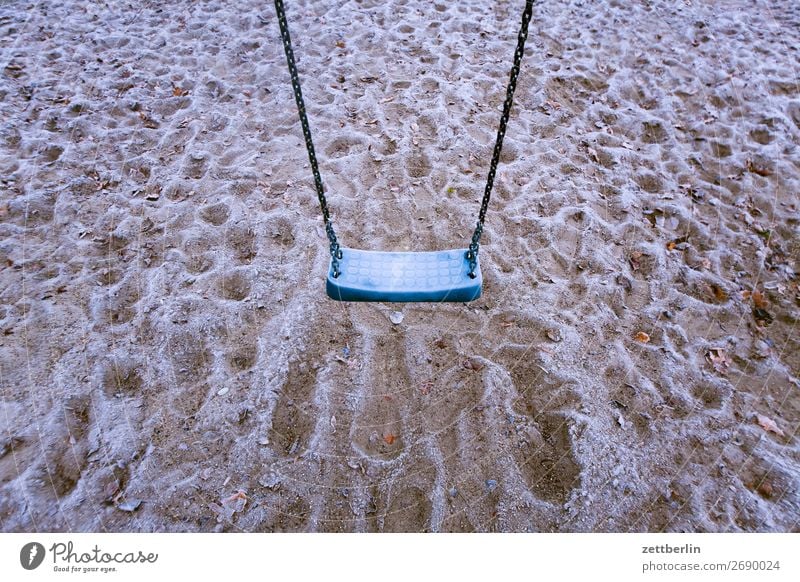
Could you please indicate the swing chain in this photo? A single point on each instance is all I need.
(335, 250)
(472, 253)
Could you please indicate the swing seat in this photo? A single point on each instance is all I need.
(400, 277)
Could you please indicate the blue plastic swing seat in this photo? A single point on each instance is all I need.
(399, 277)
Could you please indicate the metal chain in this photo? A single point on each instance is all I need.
(472, 253)
(336, 252)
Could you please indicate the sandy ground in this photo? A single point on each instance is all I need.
(169, 360)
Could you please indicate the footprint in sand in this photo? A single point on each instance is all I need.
(295, 414)
(544, 453)
(64, 458)
(378, 429)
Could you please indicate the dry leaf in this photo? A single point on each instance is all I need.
(769, 425)
(236, 498)
(389, 438)
(178, 92)
(230, 505)
(634, 260)
(472, 364)
(765, 488)
(718, 292)
(759, 300)
(642, 337)
(718, 359)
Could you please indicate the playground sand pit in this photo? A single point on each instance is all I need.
(169, 360)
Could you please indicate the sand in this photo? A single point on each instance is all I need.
(169, 360)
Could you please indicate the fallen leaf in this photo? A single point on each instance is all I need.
(389, 438)
(472, 364)
(762, 316)
(769, 425)
(642, 337)
(230, 505)
(340, 43)
(759, 166)
(554, 335)
(718, 292)
(718, 359)
(178, 92)
(765, 488)
(679, 243)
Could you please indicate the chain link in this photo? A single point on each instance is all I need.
(335, 250)
(472, 253)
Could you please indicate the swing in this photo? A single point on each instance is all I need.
(359, 275)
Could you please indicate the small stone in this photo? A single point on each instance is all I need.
(222, 391)
(491, 484)
(130, 505)
(453, 492)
